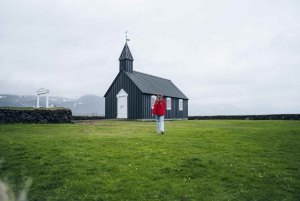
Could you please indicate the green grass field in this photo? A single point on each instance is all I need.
(128, 160)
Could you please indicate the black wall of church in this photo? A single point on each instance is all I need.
(134, 98)
(174, 113)
(138, 104)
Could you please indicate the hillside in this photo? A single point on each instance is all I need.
(86, 105)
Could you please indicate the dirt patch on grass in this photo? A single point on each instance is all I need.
(89, 123)
(93, 123)
(108, 125)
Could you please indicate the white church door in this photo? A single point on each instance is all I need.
(122, 104)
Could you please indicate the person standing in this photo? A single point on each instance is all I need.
(159, 112)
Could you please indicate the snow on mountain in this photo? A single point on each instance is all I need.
(85, 105)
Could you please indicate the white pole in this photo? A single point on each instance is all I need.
(38, 101)
(47, 101)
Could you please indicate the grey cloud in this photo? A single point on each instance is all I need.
(242, 53)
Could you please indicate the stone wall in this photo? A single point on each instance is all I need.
(64, 115)
(249, 117)
(38, 116)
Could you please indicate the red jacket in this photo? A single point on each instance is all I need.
(159, 109)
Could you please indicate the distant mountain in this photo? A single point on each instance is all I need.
(90, 105)
(95, 105)
(7, 100)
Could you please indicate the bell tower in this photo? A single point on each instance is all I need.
(126, 59)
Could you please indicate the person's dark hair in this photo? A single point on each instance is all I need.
(160, 97)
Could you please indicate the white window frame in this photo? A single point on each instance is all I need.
(169, 103)
(180, 104)
(153, 98)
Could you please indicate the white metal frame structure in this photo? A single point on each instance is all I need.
(40, 92)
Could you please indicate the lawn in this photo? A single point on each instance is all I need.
(128, 160)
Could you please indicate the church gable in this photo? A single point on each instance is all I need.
(121, 93)
(121, 80)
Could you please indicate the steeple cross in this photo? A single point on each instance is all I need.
(126, 36)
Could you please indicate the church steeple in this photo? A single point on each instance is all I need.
(126, 60)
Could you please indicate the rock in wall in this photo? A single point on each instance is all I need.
(37, 116)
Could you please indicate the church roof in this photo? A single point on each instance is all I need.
(154, 85)
(126, 54)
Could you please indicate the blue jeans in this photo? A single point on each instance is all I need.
(160, 123)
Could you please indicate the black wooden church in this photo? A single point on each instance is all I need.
(132, 94)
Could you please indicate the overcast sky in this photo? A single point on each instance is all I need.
(237, 52)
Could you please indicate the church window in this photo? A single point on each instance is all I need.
(180, 104)
(153, 98)
(169, 104)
